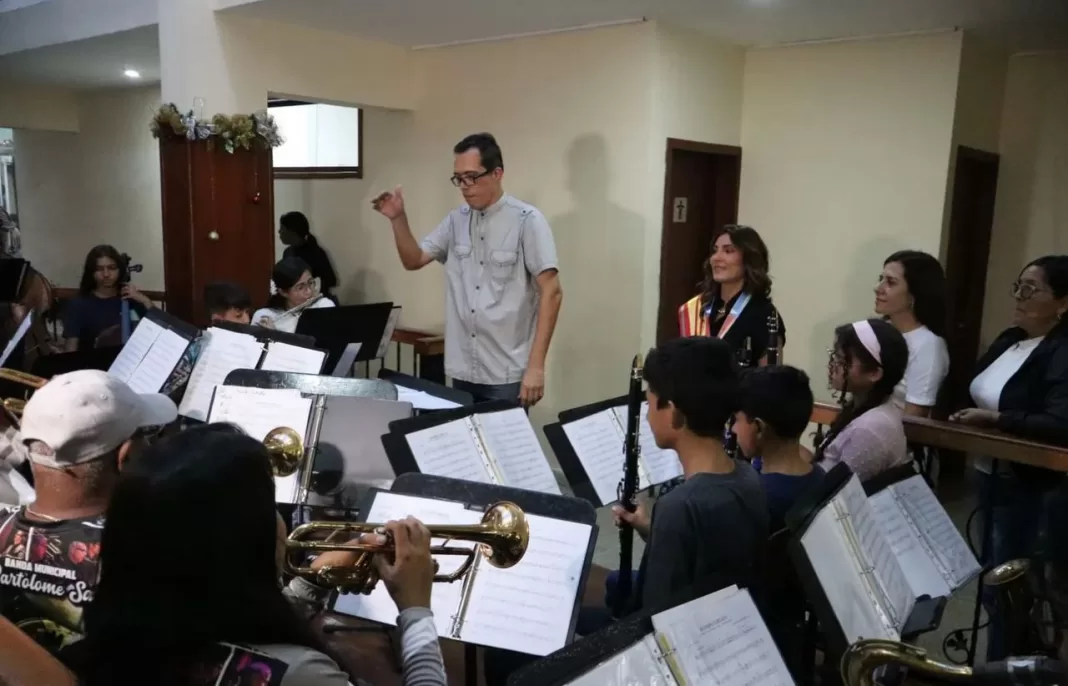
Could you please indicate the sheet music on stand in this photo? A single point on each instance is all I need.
(492, 443)
(932, 552)
(222, 351)
(849, 570)
(147, 360)
(529, 608)
(716, 640)
(258, 411)
(20, 333)
(589, 442)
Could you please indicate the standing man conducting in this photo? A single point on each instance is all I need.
(503, 284)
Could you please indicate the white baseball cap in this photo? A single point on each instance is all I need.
(87, 414)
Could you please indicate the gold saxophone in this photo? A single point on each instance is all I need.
(1015, 601)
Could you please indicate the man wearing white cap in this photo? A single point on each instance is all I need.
(78, 430)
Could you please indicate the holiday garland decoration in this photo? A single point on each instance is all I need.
(235, 131)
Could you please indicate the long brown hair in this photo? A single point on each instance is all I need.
(755, 260)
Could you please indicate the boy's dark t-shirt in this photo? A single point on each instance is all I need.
(783, 490)
(48, 572)
(711, 525)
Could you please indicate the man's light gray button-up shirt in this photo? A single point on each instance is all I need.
(491, 259)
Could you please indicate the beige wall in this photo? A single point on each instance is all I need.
(696, 95)
(1031, 215)
(46, 109)
(846, 153)
(97, 186)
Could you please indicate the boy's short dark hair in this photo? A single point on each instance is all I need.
(488, 150)
(699, 376)
(222, 296)
(779, 396)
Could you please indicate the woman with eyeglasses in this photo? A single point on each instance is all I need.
(735, 300)
(1021, 387)
(867, 362)
(294, 288)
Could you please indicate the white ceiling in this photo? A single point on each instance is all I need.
(1017, 25)
(91, 63)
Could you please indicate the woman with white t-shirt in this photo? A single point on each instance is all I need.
(294, 292)
(1021, 387)
(911, 295)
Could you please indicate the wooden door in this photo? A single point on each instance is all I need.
(700, 195)
(967, 254)
(218, 222)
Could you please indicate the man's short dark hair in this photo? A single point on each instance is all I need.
(699, 376)
(488, 150)
(222, 296)
(779, 396)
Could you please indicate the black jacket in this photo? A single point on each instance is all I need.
(1034, 401)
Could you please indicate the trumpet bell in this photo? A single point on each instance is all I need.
(14, 406)
(511, 535)
(285, 449)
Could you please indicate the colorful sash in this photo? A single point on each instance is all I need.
(694, 319)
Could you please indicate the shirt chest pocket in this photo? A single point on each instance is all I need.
(461, 252)
(502, 264)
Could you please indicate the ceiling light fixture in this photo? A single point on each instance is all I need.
(132, 74)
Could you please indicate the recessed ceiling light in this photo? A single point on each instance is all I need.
(132, 74)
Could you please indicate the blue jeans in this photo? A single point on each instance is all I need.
(483, 392)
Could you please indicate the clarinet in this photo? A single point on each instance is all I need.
(628, 487)
(773, 338)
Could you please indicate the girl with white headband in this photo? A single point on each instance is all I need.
(868, 360)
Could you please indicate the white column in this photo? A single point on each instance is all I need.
(199, 58)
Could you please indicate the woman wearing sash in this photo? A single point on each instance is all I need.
(735, 300)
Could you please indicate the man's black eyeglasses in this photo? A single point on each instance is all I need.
(467, 180)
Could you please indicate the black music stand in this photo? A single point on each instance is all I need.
(12, 275)
(334, 328)
(462, 398)
(264, 333)
(574, 471)
(483, 495)
(47, 366)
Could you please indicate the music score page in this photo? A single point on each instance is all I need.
(721, 640)
(923, 575)
(134, 350)
(528, 608)
(943, 538)
(451, 450)
(638, 664)
(378, 606)
(258, 411)
(660, 465)
(842, 578)
(283, 357)
(876, 552)
(512, 443)
(221, 352)
(598, 443)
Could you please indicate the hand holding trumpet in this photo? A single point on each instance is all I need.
(407, 570)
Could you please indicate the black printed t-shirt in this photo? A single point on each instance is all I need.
(48, 572)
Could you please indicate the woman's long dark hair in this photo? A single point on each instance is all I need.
(298, 224)
(285, 275)
(88, 284)
(172, 586)
(926, 281)
(755, 260)
(894, 352)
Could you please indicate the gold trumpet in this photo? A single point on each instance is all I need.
(14, 406)
(501, 538)
(285, 449)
